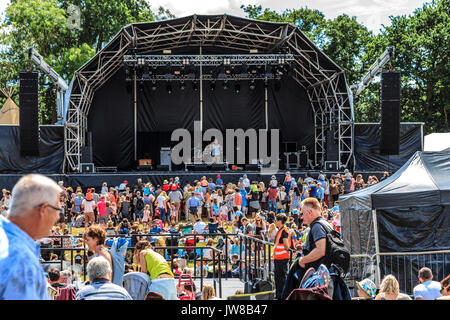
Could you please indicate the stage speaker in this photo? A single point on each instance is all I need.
(162, 167)
(332, 147)
(29, 113)
(165, 158)
(390, 112)
(331, 165)
(87, 168)
(251, 167)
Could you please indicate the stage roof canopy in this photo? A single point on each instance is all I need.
(321, 79)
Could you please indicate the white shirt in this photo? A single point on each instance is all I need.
(199, 226)
(161, 201)
(88, 205)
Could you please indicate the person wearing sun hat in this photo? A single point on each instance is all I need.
(367, 289)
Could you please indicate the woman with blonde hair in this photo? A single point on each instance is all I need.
(162, 205)
(208, 293)
(262, 195)
(389, 288)
(272, 232)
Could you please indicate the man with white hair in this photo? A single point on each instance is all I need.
(100, 286)
(34, 209)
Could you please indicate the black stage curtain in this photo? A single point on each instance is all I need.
(367, 147)
(111, 122)
(227, 109)
(290, 111)
(51, 151)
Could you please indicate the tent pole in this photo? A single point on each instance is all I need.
(266, 104)
(377, 248)
(135, 114)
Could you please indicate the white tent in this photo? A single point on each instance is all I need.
(9, 113)
(437, 142)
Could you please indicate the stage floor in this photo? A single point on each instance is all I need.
(96, 180)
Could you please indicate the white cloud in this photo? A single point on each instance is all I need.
(371, 13)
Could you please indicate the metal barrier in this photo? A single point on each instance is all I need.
(220, 258)
(258, 259)
(404, 266)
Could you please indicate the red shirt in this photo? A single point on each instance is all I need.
(272, 194)
(165, 187)
(101, 207)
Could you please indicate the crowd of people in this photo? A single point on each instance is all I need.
(282, 213)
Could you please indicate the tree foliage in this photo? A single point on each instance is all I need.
(421, 42)
(44, 25)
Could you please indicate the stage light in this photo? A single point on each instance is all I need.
(141, 61)
(167, 51)
(212, 86)
(252, 85)
(182, 85)
(185, 61)
(225, 85)
(253, 50)
(281, 60)
(237, 87)
(154, 86)
(226, 61)
(194, 86)
(169, 89)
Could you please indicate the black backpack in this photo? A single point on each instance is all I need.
(335, 253)
(140, 204)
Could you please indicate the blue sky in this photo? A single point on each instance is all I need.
(371, 13)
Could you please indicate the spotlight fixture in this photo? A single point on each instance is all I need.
(212, 86)
(141, 61)
(281, 60)
(226, 61)
(252, 85)
(237, 87)
(154, 86)
(169, 88)
(185, 61)
(225, 85)
(182, 85)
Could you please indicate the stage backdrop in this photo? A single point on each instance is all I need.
(367, 146)
(51, 150)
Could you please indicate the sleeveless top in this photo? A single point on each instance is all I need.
(156, 265)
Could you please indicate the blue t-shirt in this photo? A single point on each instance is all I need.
(193, 202)
(320, 193)
(215, 209)
(313, 191)
(155, 230)
(243, 194)
(317, 232)
(219, 182)
(335, 208)
(429, 290)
